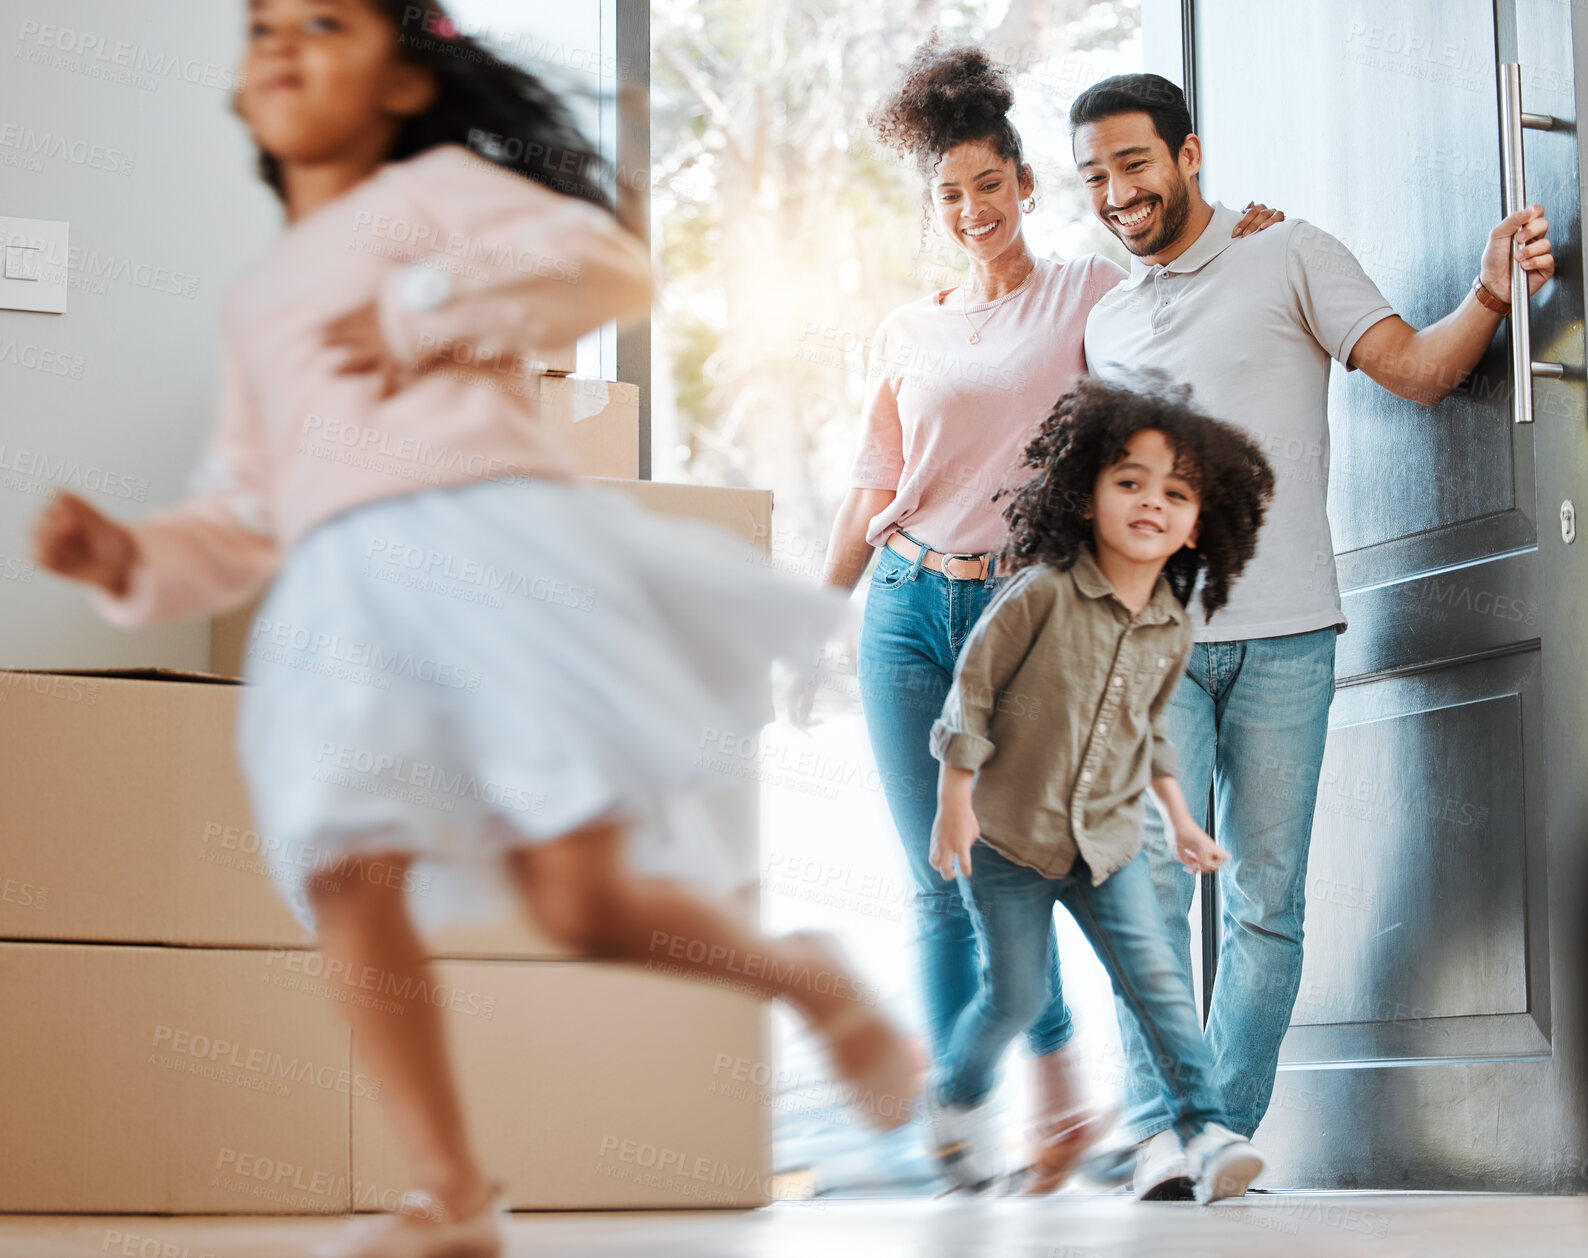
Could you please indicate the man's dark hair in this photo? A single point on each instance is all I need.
(1087, 431)
(1149, 94)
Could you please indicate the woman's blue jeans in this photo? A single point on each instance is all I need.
(915, 623)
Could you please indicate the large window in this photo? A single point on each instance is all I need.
(783, 234)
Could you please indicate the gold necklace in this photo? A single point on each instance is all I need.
(964, 303)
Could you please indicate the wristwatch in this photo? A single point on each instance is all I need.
(1488, 299)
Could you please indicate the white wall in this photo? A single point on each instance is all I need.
(190, 206)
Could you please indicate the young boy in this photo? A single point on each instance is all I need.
(1054, 729)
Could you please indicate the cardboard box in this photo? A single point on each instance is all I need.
(210, 1081)
(594, 1087)
(125, 815)
(745, 512)
(160, 847)
(597, 420)
(164, 1080)
(127, 821)
(126, 818)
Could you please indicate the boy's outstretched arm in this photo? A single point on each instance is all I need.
(1193, 846)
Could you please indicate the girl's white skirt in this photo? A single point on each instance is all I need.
(455, 672)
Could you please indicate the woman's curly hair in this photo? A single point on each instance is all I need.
(1088, 431)
(949, 95)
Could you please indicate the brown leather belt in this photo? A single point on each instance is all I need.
(954, 567)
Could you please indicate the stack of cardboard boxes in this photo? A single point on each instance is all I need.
(173, 1044)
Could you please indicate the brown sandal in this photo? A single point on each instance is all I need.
(885, 1068)
(1059, 1144)
(420, 1228)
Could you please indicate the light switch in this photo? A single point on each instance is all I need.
(34, 271)
(21, 263)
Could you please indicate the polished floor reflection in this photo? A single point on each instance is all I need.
(1069, 1226)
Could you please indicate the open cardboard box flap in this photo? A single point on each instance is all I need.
(132, 674)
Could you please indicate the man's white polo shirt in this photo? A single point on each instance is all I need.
(1251, 325)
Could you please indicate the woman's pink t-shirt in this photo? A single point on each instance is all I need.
(945, 419)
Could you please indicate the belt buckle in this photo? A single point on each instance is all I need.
(977, 559)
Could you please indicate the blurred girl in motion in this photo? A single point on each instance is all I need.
(474, 665)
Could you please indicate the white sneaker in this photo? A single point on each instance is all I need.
(1161, 1170)
(1222, 1164)
(962, 1142)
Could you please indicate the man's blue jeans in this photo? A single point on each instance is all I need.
(915, 623)
(1249, 719)
(1013, 905)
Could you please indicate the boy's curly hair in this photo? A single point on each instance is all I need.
(1088, 431)
(949, 94)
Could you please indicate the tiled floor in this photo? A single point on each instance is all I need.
(1071, 1226)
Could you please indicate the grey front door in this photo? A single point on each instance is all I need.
(1439, 1037)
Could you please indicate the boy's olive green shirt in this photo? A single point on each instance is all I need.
(1059, 704)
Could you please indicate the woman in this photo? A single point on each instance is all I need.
(958, 382)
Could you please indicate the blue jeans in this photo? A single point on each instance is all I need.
(915, 623)
(1013, 905)
(1249, 720)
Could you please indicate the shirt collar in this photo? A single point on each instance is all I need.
(1214, 240)
(1089, 579)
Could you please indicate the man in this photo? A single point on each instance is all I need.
(1251, 326)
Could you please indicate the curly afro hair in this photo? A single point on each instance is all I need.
(1088, 431)
(950, 94)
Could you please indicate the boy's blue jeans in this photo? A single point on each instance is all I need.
(1249, 719)
(1013, 905)
(916, 621)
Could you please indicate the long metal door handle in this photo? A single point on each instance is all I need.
(1513, 179)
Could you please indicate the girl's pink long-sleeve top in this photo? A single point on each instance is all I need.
(474, 271)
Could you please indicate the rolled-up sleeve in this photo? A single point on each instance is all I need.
(962, 735)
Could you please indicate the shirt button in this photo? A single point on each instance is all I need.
(1102, 729)
(1086, 777)
(1118, 680)
(1162, 661)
